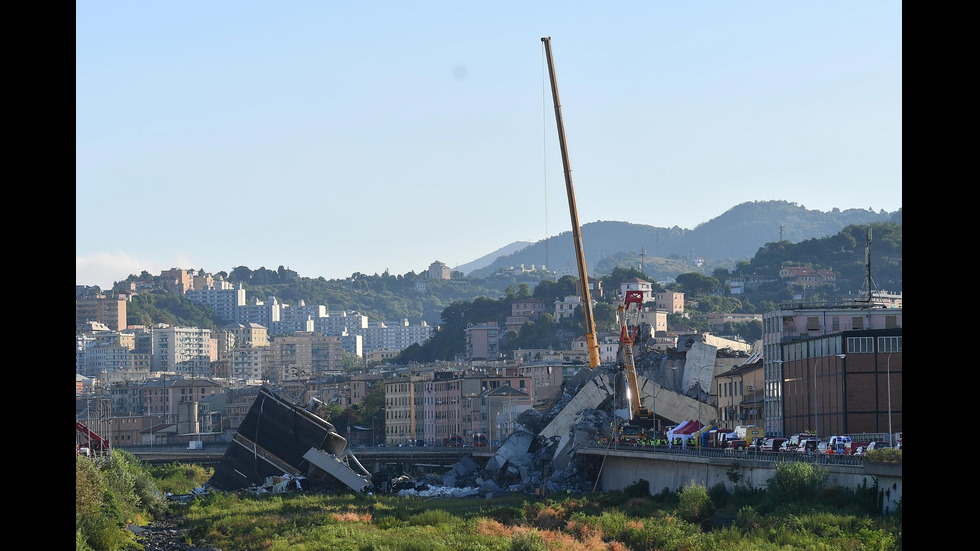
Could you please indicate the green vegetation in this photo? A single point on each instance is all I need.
(796, 511)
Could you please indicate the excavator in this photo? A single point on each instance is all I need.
(640, 420)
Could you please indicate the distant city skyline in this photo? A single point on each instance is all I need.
(334, 139)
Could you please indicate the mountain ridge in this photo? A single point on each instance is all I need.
(737, 234)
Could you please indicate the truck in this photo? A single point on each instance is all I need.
(749, 433)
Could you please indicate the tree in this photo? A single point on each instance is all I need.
(695, 284)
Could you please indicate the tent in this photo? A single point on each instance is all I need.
(702, 434)
(685, 431)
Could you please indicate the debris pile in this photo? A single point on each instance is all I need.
(539, 457)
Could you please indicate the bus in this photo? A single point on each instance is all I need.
(453, 441)
(479, 440)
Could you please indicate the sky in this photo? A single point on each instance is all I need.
(333, 138)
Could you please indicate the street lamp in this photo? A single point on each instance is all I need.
(816, 426)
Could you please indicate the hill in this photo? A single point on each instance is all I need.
(486, 260)
(736, 235)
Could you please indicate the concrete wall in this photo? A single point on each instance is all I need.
(622, 468)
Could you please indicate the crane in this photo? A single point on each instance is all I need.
(640, 418)
(592, 340)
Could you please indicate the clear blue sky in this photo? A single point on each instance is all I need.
(342, 137)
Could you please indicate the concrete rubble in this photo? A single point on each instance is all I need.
(539, 457)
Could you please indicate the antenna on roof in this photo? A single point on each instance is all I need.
(869, 281)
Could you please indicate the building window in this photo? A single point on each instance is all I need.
(889, 344)
(860, 345)
(857, 322)
(891, 322)
(812, 323)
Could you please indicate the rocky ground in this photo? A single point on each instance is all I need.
(165, 535)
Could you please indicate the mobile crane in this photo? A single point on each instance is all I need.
(592, 341)
(641, 420)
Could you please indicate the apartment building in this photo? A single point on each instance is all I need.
(565, 307)
(403, 408)
(341, 322)
(260, 312)
(523, 311)
(247, 364)
(222, 297)
(670, 301)
(637, 284)
(183, 350)
(442, 403)
(109, 310)
(177, 280)
(163, 397)
(544, 378)
(739, 392)
(248, 335)
(303, 355)
(483, 341)
(381, 336)
(299, 317)
(112, 363)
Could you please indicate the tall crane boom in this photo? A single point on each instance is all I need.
(592, 341)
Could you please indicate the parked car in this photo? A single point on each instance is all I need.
(876, 446)
(773, 444)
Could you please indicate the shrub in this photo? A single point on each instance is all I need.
(720, 495)
(748, 519)
(640, 488)
(887, 455)
(695, 504)
(388, 522)
(796, 481)
(527, 541)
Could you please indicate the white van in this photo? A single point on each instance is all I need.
(838, 444)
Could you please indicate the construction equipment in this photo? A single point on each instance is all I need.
(92, 441)
(592, 341)
(640, 420)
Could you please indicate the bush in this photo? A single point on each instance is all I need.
(887, 455)
(527, 541)
(796, 481)
(695, 504)
(748, 519)
(111, 493)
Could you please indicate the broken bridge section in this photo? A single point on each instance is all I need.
(277, 437)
